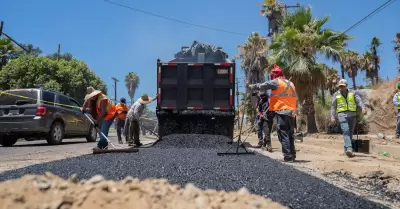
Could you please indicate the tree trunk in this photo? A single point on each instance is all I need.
(310, 112)
(323, 94)
(342, 70)
(353, 78)
(3, 61)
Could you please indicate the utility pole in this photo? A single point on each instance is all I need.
(1, 27)
(58, 52)
(237, 100)
(9, 37)
(115, 89)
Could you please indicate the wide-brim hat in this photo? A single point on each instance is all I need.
(145, 99)
(91, 92)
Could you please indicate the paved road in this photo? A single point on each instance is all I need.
(25, 153)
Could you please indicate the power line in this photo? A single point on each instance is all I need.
(377, 10)
(175, 20)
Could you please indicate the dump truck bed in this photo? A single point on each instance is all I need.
(196, 98)
(196, 86)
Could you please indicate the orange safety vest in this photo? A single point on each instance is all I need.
(110, 106)
(284, 97)
(120, 108)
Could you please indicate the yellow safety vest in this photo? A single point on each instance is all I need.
(348, 104)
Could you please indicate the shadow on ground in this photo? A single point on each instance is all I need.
(259, 174)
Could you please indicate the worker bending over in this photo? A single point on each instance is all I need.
(396, 102)
(132, 124)
(103, 110)
(264, 122)
(120, 117)
(345, 103)
(283, 102)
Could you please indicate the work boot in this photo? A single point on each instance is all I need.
(258, 145)
(120, 141)
(138, 144)
(288, 160)
(269, 148)
(350, 154)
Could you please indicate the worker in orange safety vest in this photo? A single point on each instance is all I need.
(283, 101)
(103, 110)
(120, 117)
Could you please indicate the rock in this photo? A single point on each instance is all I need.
(43, 185)
(243, 191)
(73, 178)
(95, 179)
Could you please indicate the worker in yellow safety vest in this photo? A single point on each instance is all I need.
(396, 102)
(344, 103)
(103, 110)
(283, 102)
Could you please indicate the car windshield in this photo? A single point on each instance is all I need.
(6, 99)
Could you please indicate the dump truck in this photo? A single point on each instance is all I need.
(196, 92)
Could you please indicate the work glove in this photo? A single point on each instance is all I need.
(253, 86)
(83, 111)
(124, 112)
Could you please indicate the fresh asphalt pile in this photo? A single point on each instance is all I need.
(202, 167)
(193, 141)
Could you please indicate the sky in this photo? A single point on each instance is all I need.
(114, 40)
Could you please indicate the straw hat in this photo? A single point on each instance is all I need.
(91, 92)
(145, 99)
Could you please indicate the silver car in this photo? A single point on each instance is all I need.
(39, 113)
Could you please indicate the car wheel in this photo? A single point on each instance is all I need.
(56, 134)
(92, 135)
(8, 141)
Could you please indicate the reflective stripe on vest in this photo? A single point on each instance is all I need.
(398, 102)
(281, 98)
(348, 104)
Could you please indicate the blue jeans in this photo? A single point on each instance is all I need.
(347, 124)
(104, 127)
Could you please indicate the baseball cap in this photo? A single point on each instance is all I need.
(342, 82)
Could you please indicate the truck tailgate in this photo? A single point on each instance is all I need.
(196, 86)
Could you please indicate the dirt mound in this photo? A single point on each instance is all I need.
(51, 192)
(382, 118)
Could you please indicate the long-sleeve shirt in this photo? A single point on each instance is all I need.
(345, 114)
(396, 102)
(136, 111)
(273, 85)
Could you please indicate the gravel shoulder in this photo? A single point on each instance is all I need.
(372, 176)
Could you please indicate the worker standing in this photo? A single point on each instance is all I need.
(103, 110)
(396, 102)
(283, 102)
(265, 122)
(120, 116)
(132, 124)
(344, 103)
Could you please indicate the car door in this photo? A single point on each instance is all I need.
(82, 122)
(68, 115)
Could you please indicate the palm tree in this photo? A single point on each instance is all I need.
(254, 61)
(352, 61)
(131, 83)
(368, 65)
(295, 50)
(375, 43)
(7, 50)
(396, 48)
(332, 79)
(30, 49)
